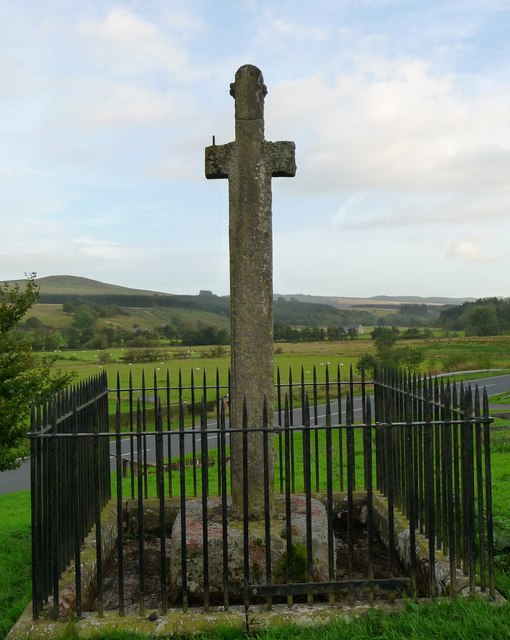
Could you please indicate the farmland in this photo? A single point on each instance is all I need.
(440, 355)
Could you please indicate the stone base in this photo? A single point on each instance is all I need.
(257, 553)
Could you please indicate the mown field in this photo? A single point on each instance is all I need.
(440, 355)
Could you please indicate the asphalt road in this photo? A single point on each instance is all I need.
(19, 479)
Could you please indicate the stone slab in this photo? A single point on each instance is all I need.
(257, 554)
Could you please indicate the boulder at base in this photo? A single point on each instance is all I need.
(256, 545)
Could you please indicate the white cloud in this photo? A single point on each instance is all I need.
(110, 251)
(399, 111)
(103, 105)
(432, 210)
(396, 128)
(125, 42)
(473, 250)
(348, 208)
(279, 28)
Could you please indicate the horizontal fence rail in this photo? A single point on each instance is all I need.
(420, 445)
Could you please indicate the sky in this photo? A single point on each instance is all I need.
(400, 111)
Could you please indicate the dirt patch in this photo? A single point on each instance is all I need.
(380, 564)
(152, 589)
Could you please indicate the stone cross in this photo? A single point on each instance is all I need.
(249, 163)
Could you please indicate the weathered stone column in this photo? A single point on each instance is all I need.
(249, 164)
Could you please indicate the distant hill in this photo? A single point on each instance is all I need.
(75, 312)
(56, 291)
(78, 286)
(382, 301)
(61, 289)
(420, 300)
(291, 310)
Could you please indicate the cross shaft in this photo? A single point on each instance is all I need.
(249, 163)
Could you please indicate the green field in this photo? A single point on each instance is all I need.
(193, 363)
(440, 355)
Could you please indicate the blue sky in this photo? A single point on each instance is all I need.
(400, 111)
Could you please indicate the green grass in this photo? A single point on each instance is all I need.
(460, 619)
(194, 367)
(477, 375)
(317, 444)
(307, 357)
(15, 570)
(501, 398)
(192, 361)
(440, 355)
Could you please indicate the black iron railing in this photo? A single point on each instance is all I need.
(435, 466)
(70, 481)
(412, 447)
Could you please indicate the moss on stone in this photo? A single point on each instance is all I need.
(297, 566)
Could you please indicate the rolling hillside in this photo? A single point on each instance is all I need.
(68, 304)
(152, 308)
(78, 286)
(374, 302)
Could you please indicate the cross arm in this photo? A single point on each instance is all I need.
(217, 160)
(283, 155)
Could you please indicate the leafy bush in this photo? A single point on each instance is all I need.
(23, 377)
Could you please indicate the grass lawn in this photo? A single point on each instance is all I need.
(440, 355)
(502, 398)
(193, 363)
(86, 364)
(15, 570)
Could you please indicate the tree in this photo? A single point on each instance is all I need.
(411, 359)
(84, 323)
(367, 363)
(33, 323)
(387, 355)
(385, 337)
(482, 320)
(23, 376)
